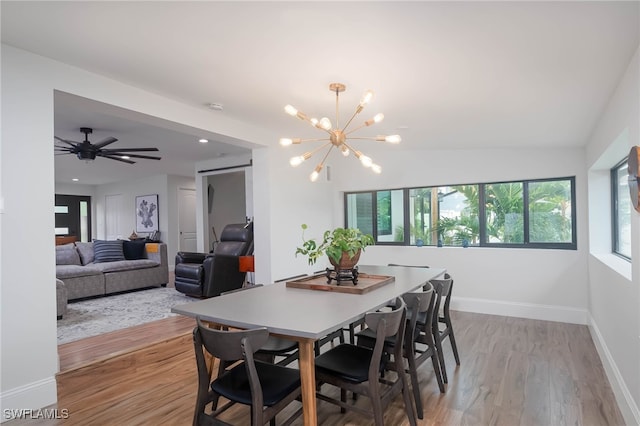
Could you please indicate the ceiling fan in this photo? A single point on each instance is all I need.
(85, 150)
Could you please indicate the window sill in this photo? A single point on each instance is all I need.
(616, 263)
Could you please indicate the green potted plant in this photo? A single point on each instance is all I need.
(341, 245)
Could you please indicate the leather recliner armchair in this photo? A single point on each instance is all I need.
(209, 274)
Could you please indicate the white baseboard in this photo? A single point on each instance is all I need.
(521, 310)
(34, 395)
(627, 405)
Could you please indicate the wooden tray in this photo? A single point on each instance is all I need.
(366, 283)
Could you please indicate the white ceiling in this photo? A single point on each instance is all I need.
(455, 75)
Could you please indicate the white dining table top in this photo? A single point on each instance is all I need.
(305, 313)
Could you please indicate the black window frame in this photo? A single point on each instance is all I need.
(615, 243)
(572, 245)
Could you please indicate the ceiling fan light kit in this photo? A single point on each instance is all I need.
(337, 137)
(87, 151)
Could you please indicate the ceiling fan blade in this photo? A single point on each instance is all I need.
(135, 155)
(111, 151)
(111, 157)
(105, 142)
(72, 143)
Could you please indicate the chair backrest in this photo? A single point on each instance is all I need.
(228, 347)
(386, 324)
(223, 266)
(231, 345)
(236, 240)
(419, 304)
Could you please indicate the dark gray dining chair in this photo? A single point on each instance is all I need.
(442, 324)
(419, 345)
(267, 388)
(357, 369)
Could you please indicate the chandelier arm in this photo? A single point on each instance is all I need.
(355, 113)
(326, 155)
(355, 129)
(320, 147)
(348, 146)
(371, 138)
(313, 140)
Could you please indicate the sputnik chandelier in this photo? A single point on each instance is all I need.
(337, 137)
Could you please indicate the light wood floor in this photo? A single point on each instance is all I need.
(513, 372)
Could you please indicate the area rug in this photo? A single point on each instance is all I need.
(92, 317)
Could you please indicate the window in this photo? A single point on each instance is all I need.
(535, 213)
(621, 206)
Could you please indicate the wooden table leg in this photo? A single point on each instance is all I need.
(308, 379)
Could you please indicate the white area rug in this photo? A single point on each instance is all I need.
(114, 312)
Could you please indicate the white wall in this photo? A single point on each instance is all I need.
(614, 284)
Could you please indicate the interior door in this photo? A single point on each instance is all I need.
(112, 206)
(187, 218)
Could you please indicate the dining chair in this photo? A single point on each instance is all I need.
(275, 346)
(442, 325)
(419, 345)
(267, 388)
(357, 369)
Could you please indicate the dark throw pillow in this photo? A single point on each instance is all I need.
(107, 251)
(133, 250)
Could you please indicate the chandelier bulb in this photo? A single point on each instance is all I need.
(376, 119)
(314, 122)
(366, 98)
(393, 139)
(291, 110)
(366, 161)
(316, 172)
(325, 123)
(285, 141)
(296, 161)
(344, 150)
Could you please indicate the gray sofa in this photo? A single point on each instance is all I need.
(97, 268)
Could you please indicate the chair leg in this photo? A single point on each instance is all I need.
(443, 369)
(411, 414)
(436, 368)
(415, 386)
(376, 404)
(454, 347)
(343, 398)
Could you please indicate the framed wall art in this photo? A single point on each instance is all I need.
(147, 213)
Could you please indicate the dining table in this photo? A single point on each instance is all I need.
(306, 315)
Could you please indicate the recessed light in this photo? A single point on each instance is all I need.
(203, 140)
(75, 179)
(125, 157)
(215, 106)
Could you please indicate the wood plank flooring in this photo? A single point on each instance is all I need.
(513, 372)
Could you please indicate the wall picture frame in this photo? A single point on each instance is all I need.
(147, 213)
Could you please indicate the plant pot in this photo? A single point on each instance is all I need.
(346, 262)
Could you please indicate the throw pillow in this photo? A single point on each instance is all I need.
(86, 252)
(107, 251)
(133, 250)
(67, 255)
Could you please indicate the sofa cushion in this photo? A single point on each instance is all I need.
(133, 250)
(125, 265)
(107, 251)
(74, 271)
(85, 250)
(67, 254)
